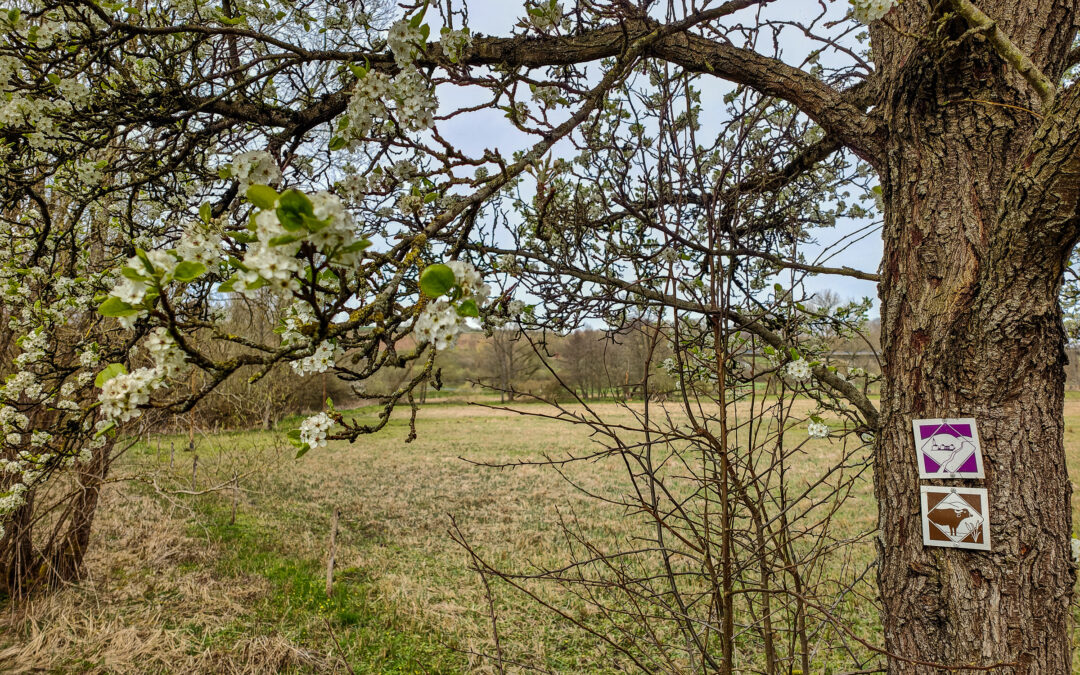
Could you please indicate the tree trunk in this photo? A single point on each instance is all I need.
(971, 327)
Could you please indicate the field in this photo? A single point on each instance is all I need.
(200, 577)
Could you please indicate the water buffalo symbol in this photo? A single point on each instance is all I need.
(949, 518)
(948, 451)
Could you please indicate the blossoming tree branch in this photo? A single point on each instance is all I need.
(162, 159)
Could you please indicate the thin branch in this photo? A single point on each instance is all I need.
(1008, 50)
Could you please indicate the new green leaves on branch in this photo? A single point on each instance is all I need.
(436, 280)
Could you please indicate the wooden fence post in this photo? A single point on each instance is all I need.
(330, 560)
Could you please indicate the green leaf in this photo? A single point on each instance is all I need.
(141, 255)
(104, 430)
(114, 306)
(224, 172)
(337, 143)
(285, 239)
(189, 270)
(295, 210)
(110, 371)
(262, 196)
(244, 237)
(468, 308)
(259, 283)
(294, 438)
(132, 273)
(227, 285)
(355, 246)
(436, 280)
(205, 212)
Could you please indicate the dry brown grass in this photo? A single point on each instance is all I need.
(172, 587)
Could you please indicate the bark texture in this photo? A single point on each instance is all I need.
(980, 219)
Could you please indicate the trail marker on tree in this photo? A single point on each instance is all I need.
(956, 517)
(948, 448)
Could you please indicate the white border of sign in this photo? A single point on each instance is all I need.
(984, 545)
(923, 473)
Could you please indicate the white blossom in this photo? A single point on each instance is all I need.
(313, 430)
(798, 370)
(454, 42)
(404, 40)
(546, 16)
(869, 11)
(131, 291)
(198, 245)
(439, 324)
(168, 357)
(668, 256)
(122, 394)
(818, 430)
(256, 167)
(320, 361)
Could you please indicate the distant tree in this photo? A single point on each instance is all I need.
(508, 358)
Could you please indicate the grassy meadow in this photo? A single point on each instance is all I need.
(200, 577)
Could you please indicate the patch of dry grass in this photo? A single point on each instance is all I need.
(174, 586)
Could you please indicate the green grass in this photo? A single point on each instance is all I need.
(371, 635)
(249, 595)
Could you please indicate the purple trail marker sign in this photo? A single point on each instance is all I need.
(948, 448)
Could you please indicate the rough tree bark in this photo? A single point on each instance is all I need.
(980, 220)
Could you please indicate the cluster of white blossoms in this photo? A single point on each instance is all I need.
(798, 370)
(122, 394)
(140, 275)
(256, 167)
(668, 255)
(34, 346)
(340, 234)
(313, 430)
(817, 430)
(546, 96)
(11, 423)
(869, 11)
(272, 258)
(546, 16)
(11, 500)
(168, 357)
(294, 318)
(200, 245)
(413, 97)
(404, 40)
(441, 322)
(326, 352)
(471, 283)
(454, 43)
